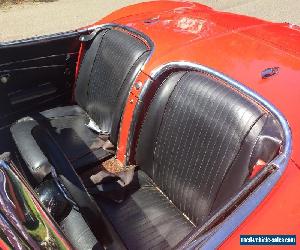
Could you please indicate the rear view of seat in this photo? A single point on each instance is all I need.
(108, 69)
(197, 146)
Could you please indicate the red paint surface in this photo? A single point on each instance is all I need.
(279, 213)
(127, 117)
(240, 47)
(3, 245)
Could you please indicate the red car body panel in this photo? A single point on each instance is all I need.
(240, 47)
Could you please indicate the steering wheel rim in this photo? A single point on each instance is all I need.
(64, 171)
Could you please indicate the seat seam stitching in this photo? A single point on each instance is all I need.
(235, 158)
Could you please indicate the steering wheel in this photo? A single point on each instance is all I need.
(67, 176)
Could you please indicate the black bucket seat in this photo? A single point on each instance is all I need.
(197, 147)
(108, 69)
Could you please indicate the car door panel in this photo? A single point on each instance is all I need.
(37, 71)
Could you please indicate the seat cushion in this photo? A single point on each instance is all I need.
(146, 219)
(200, 140)
(67, 125)
(110, 64)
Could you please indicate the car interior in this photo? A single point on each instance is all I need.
(196, 141)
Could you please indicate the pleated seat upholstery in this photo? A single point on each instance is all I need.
(196, 148)
(110, 64)
(147, 219)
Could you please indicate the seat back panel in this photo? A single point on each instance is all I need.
(206, 130)
(107, 72)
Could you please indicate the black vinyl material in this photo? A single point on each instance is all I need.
(107, 71)
(72, 183)
(33, 156)
(104, 82)
(200, 140)
(79, 233)
(81, 145)
(197, 146)
(39, 72)
(67, 125)
(147, 219)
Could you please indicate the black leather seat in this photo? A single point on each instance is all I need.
(196, 149)
(108, 69)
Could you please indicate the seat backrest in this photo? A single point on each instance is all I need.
(200, 139)
(108, 69)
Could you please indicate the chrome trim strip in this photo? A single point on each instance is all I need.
(116, 25)
(224, 229)
(278, 161)
(20, 209)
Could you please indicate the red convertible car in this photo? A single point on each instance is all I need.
(165, 125)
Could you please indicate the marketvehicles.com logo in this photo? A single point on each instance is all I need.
(268, 240)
